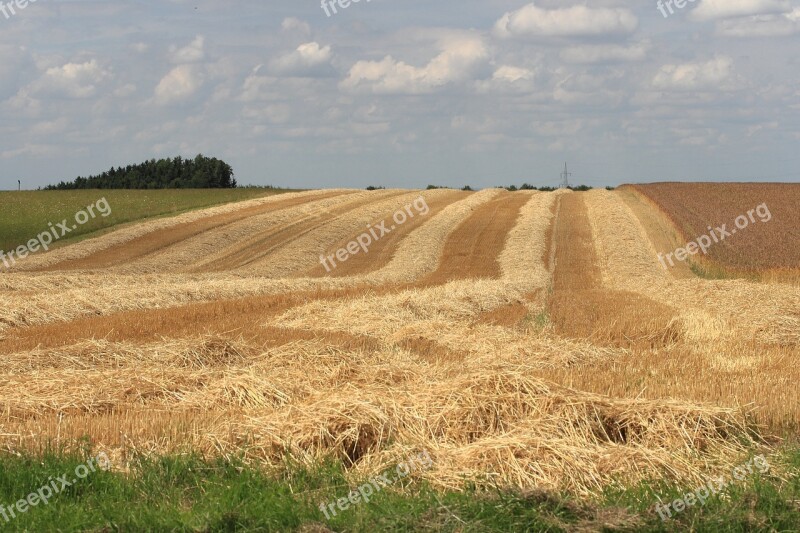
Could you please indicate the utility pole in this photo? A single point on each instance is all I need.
(565, 177)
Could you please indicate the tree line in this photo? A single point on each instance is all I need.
(178, 173)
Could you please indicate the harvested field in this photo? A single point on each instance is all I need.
(526, 340)
(154, 241)
(267, 242)
(762, 239)
(580, 306)
(381, 252)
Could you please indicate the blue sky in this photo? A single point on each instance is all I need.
(403, 92)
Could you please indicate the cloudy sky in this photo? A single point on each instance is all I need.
(404, 92)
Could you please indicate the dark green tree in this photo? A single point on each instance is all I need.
(178, 173)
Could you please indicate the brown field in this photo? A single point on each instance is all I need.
(525, 339)
(760, 246)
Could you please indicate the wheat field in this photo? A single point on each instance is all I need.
(526, 339)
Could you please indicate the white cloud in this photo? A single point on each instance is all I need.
(697, 136)
(689, 76)
(191, 53)
(295, 24)
(179, 84)
(73, 80)
(761, 25)
(459, 60)
(257, 87)
(272, 113)
(508, 79)
(16, 59)
(512, 74)
(125, 91)
(50, 127)
(307, 60)
(608, 53)
(757, 128)
(720, 9)
(532, 21)
(587, 89)
(32, 150)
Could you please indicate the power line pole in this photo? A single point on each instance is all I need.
(565, 177)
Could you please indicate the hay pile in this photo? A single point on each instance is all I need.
(106, 294)
(522, 258)
(507, 428)
(486, 420)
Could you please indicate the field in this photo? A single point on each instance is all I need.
(531, 343)
(26, 214)
(762, 247)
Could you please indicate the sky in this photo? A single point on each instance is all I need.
(404, 93)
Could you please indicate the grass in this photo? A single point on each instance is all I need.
(26, 214)
(538, 321)
(188, 493)
(760, 502)
(714, 271)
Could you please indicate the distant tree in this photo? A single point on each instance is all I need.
(178, 173)
(466, 188)
(373, 188)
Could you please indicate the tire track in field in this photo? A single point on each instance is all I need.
(267, 242)
(158, 240)
(472, 250)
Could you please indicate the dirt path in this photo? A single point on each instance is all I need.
(471, 251)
